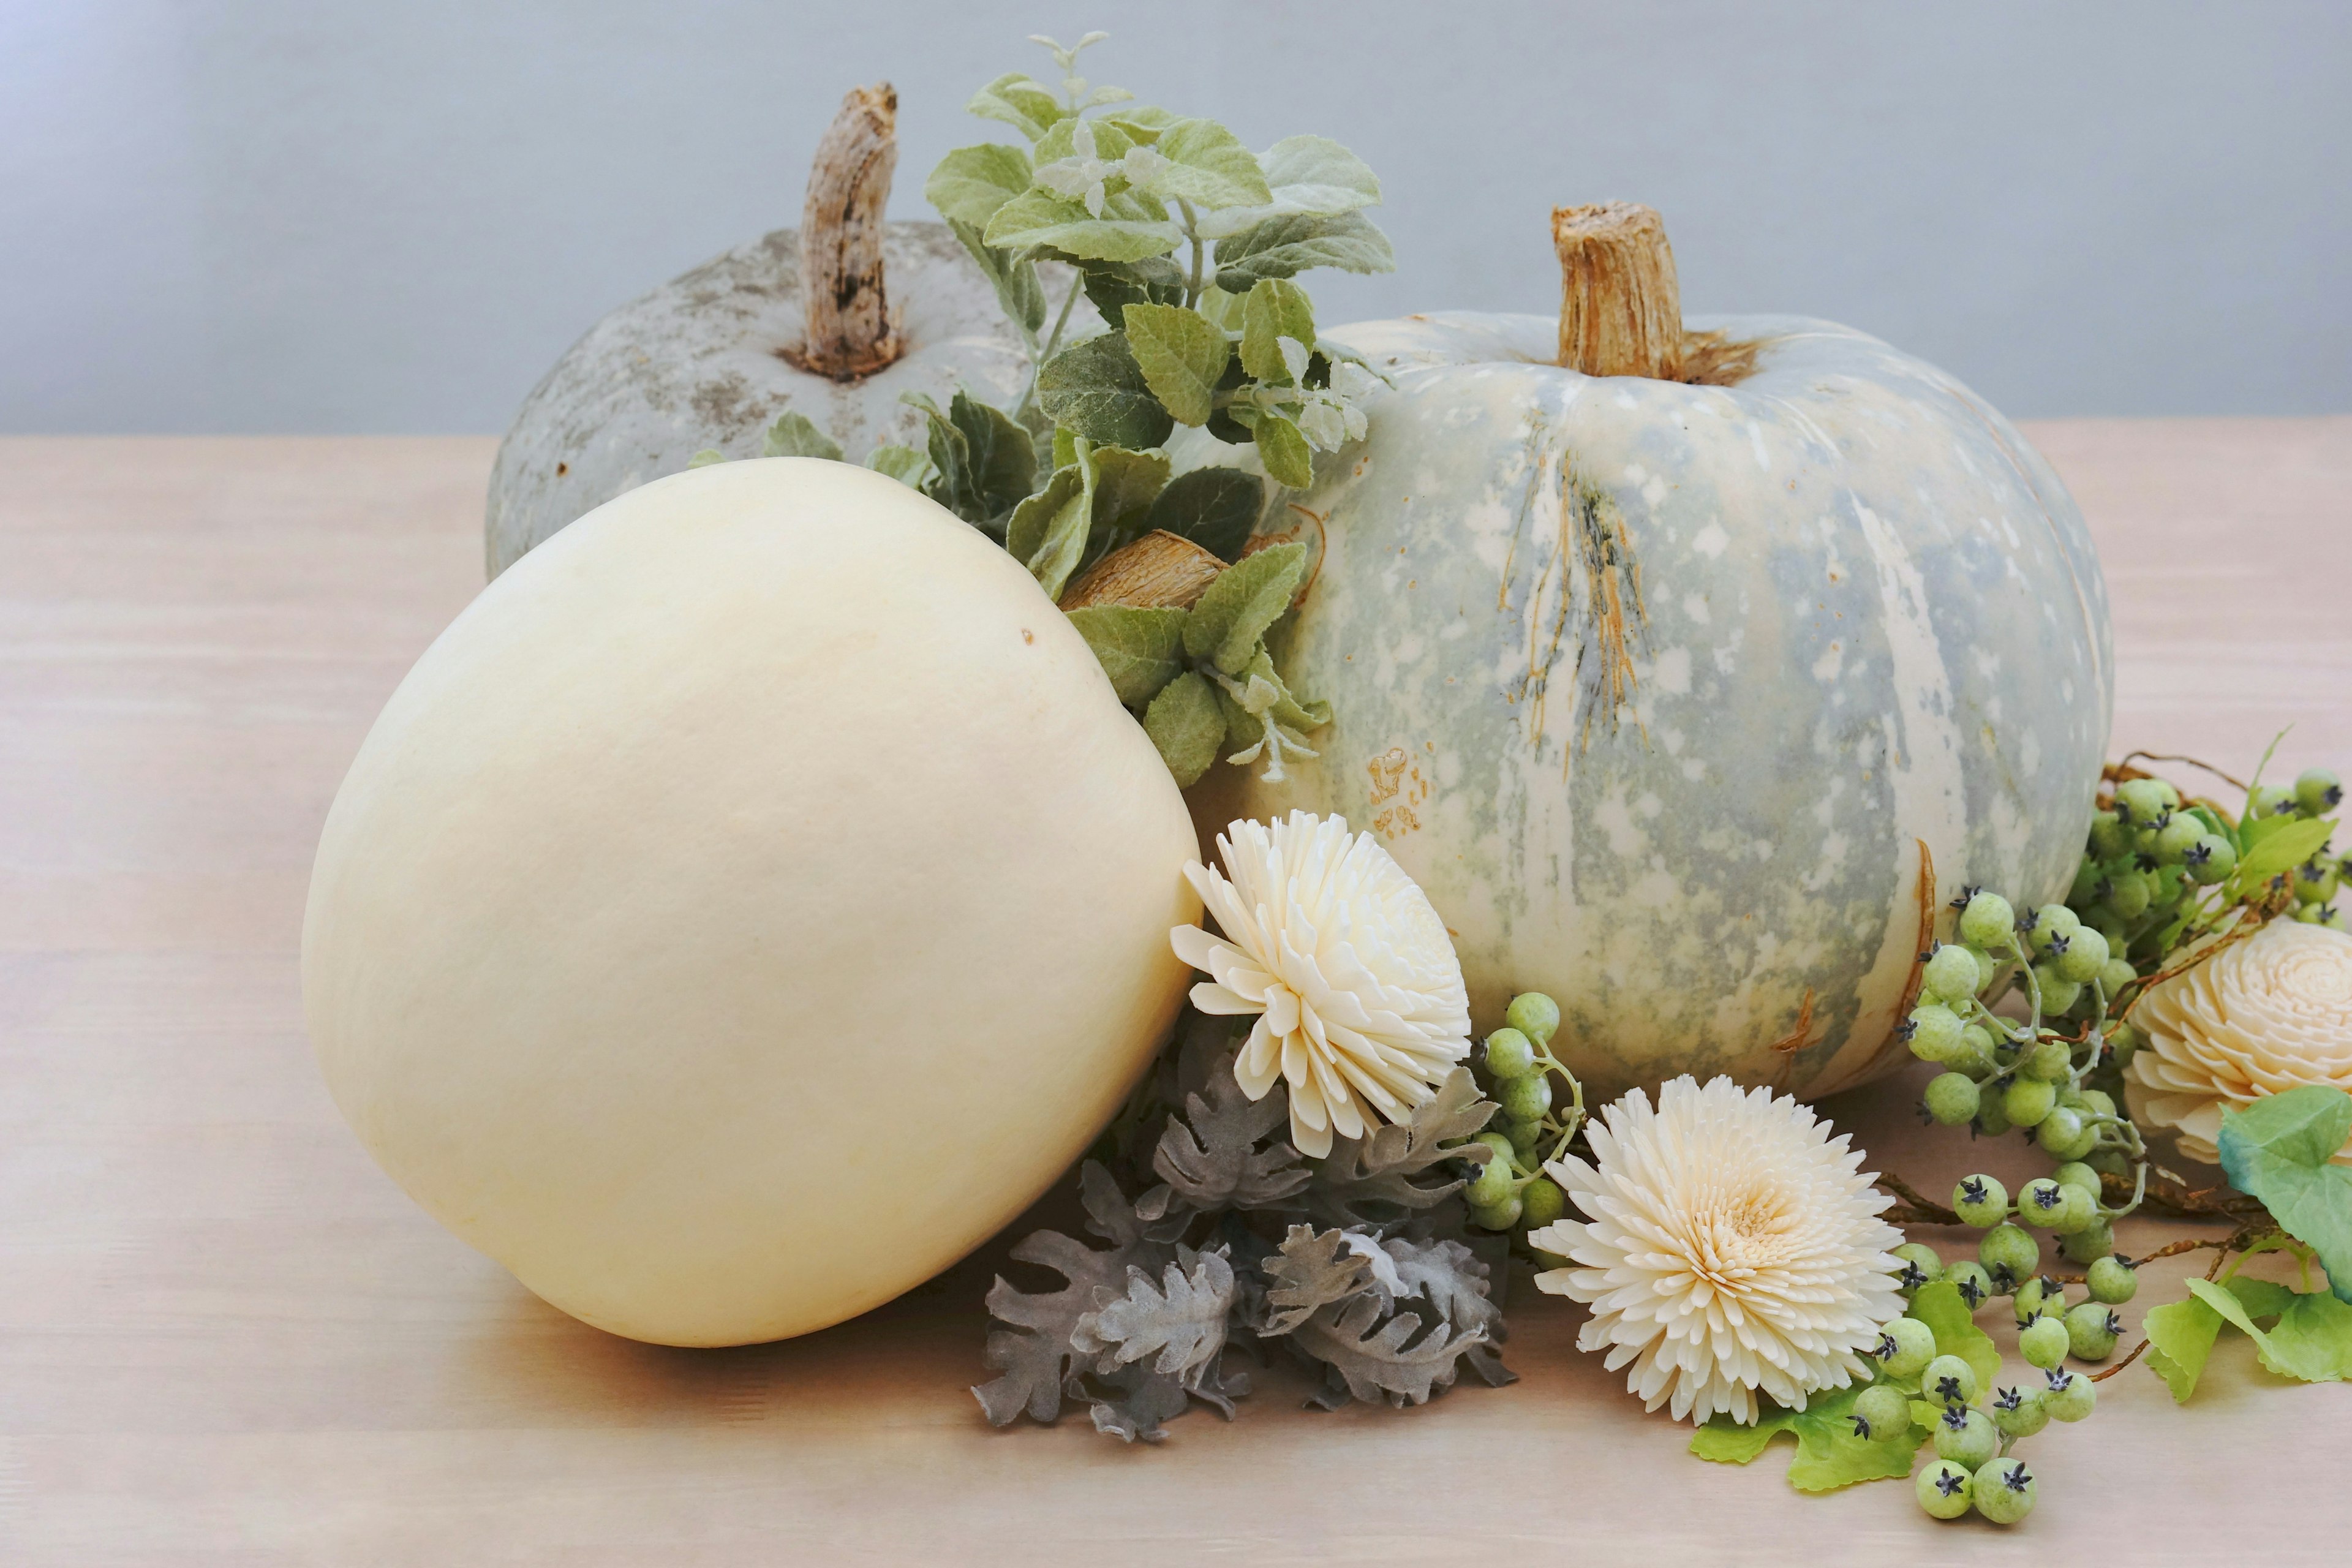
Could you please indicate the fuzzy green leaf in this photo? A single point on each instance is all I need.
(1186, 724)
(1096, 389)
(1143, 121)
(1285, 709)
(1216, 509)
(2278, 1149)
(1242, 604)
(1281, 448)
(985, 462)
(1282, 246)
(705, 458)
(1019, 290)
(795, 434)
(1112, 286)
(972, 182)
(1200, 162)
(1019, 103)
(904, 464)
(1047, 532)
(1181, 356)
(1940, 1308)
(1125, 484)
(1305, 176)
(1128, 230)
(2180, 1335)
(1111, 141)
(1140, 649)
(1273, 310)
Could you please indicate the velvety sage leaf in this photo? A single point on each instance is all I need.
(1126, 230)
(972, 182)
(1242, 604)
(1111, 141)
(1186, 724)
(1020, 292)
(904, 464)
(1140, 649)
(1096, 389)
(1004, 460)
(1216, 509)
(1273, 310)
(2180, 1337)
(1065, 447)
(1285, 707)
(1283, 247)
(1019, 103)
(1181, 354)
(795, 434)
(1143, 123)
(1940, 1308)
(1126, 483)
(1200, 162)
(2277, 1150)
(1047, 532)
(1305, 176)
(1112, 286)
(1282, 448)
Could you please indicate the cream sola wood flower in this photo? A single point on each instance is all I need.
(2268, 1014)
(1361, 1009)
(1730, 1248)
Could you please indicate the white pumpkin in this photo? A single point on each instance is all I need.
(751, 902)
(1658, 689)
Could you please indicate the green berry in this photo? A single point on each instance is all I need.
(1945, 1490)
(2318, 792)
(1510, 1054)
(1918, 1264)
(2108, 1162)
(2064, 1135)
(1527, 1139)
(2092, 1326)
(2114, 976)
(1974, 1055)
(2209, 860)
(1989, 922)
(1883, 1411)
(2085, 955)
(2040, 1297)
(2130, 894)
(2026, 1100)
(2315, 881)
(1951, 1099)
(2095, 1102)
(2110, 836)
(2089, 882)
(1948, 1380)
(2003, 1491)
(1952, 974)
(2090, 1243)
(2074, 1174)
(1525, 1099)
(1965, 1436)
(1934, 1032)
(2017, 1412)
(1499, 1143)
(2070, 1397)
(2269, 800)
(1970, 1278)
(2112, 1281)
(2043, 1341)
(1980, 1201)
(1992, 1116)
(1501, 1215)
(1492, 1184)
(2141, 801)
(2059, 995)
(2047, 1059)
(2172, 843)
(2009, 1255)
(1905, 1345)
(2052, 923)
(1540, 1203)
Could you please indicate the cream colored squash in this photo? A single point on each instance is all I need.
(751, 902)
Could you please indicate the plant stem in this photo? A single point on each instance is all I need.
(1053, 341)
(1192, 233)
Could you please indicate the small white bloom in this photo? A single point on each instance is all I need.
(1361, 1004)
(2262, 1016)
(1730, 1246)
(1080, 175)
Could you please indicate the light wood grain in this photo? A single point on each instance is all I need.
(225, 1338)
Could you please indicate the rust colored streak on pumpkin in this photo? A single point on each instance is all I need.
(1799, 1038)
(1613, 587)
(1927, 931)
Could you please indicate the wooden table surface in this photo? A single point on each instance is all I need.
(225, 1337)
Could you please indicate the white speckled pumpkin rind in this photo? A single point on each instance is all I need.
(1870, 617)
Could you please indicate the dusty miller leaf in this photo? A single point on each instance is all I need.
(1312, 1271)
(2278, 1149)
(1185, 722)
(1448, 1276)
(1216, 509)
(1214, 1155)
(1132, 1402)
(1096, 389)
(1178, 1317)
(1372, 1180)
(1242, 604)
(1141, 649)
(795, 434)
(1033, 1351)
(1182, 355)
(1399, 1359)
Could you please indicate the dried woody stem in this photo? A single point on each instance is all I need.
(1159, 571)
(1620, 309)
(848, 332)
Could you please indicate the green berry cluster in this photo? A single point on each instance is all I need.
(1510, 1192)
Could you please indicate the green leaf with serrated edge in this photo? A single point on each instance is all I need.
(1143, 121)
(1124, 485)
(1283, 448)
(1829, 1453)
(1019, 103)
(1273, 310)
(1200, 162)
(1283, 247)
(1184, 722)
(904, 464)
(2318, 1351)
(1111, 141)
(1305, 176)
(795, 434)
(1128, 229)
(1181, 356)
(972, 182)
(2278, 1149)
(1724, 1441)
(1096, 389)
(2274, 850)
(1004, 460)
(1112, 286)
(1242, 603)
(1940, 1308)
(1019, 290)
(2180, 1335)
(1216, 509)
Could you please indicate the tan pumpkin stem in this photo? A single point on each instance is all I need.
(1159, 571)
(846, 310)
(1620, 309)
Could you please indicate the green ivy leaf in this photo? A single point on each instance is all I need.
(1940, 1308)
(1242, 604)
(972, 182)
(2180, 1337)
(1047, 532)
(1305, 176)
(2278, 1149)
(1181, 356)
(2320, 1349)
(1273, 310)
(1284, 451)
(705, 458)
(1128, 230)
(1723, 1441)
(1200, 162)
(1140, 649)
(1216, 509)
(2279, 844)
(1829, 1454)
(1185, 723)
(795, 434)
(904, 464)
(1282, 246)
(1019, 103)
(1096, 389)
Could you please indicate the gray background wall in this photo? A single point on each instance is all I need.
(322, 215)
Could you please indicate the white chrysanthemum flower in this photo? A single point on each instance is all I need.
(2262, 1016)
(1731, 1247)
(1360, 997)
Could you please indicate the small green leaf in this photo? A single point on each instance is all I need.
(1019, 103)
(1287, 710)
(972, 182)
(1181, 356)
(1724, 1441)
(2278, 1149)
(1940, 1308)
(1829, 1453)
(1216, 509)
(1065, 447)
(1282, 246)
(705, 458)
(1244, 601)
(904, 464)
(1274, 310)
(1128, 230)
(1047, 532)
(2318, 1349)
(1185, 723)
(984, 462)
(1305, 176)
(1112, 286)
(1111, 141)
(1283, 450)
(795, 434)
(2181, 1336)
(1200, 162)
(1143, 121)
(1015, 278)
(1126, 483)
(2273, 849)
(1140, 649)
(1096, 389)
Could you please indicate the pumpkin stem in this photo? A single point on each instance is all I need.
(850, 331)
(1620, 309)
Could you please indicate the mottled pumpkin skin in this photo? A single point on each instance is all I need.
(1658, 689)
